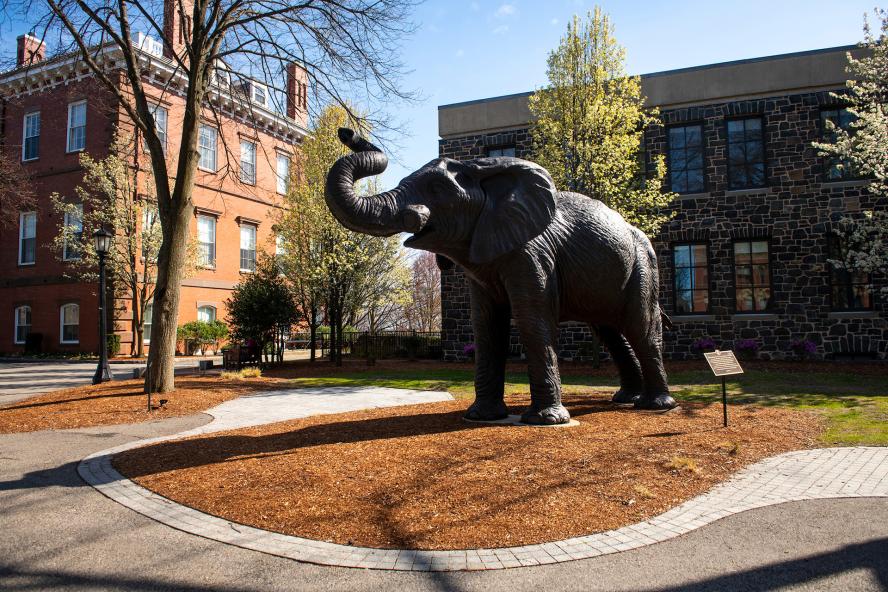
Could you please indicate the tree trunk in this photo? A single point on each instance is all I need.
(165, 312)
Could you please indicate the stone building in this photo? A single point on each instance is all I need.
(53, 110)
(744, 262)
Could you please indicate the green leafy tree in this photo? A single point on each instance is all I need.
(331, 268)
(589, 125)
(115, 195)
(863, 148)
(203, 334)
(262, 308)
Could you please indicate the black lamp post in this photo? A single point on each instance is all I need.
(102, 243)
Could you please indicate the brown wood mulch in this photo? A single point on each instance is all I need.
(120, 402)
(419, 477)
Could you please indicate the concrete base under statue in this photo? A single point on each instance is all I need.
(516, 420)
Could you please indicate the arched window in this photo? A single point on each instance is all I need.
(146, 323)
(22, 323)
(206, 314)
(69, 320)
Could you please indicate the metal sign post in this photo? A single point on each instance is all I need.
(722, 364)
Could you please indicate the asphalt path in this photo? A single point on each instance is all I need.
(58, 533)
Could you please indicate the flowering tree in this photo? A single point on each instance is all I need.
(16, 193)
(589, 125)
(864, 149)
(424, 310)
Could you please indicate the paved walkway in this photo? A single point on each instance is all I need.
(794, 476)
(57, 533)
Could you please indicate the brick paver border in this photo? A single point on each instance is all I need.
(793, 476)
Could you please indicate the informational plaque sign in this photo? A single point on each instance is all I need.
(723, 363)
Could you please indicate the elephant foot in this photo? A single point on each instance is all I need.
(662, 402)
(626, 396)
(551, 415)
(482, 410)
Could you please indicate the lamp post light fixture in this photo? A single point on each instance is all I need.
(102, 241)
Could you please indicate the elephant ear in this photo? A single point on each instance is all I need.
(519, 205)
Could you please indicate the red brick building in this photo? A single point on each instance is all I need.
(52, 110)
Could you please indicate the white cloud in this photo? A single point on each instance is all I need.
(505, 10)
(501, 29)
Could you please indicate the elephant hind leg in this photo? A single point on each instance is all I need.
(631, 377)
(645, 337)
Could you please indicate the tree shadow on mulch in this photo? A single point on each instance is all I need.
(220, 448)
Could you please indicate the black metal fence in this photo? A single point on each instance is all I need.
(387, 344)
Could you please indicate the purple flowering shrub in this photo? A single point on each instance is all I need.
(803, 348)
(704, 344)
(747, 348)
(469, 349)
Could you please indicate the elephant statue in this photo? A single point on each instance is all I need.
(532, 253)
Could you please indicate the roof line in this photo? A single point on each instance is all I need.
(676, 71)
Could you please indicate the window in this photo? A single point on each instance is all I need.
(27, 238)
(247, 247)
(70, 324)
(752, 276)
(206, 240)
(746, 154)
(206, 314)
(501, 151)
(259, 93)
(849, 290)
(73, 233)
(207, 147)
(836, 169)
(686, 159)
(22, 323)
(248, 162)
(283, 173)
(76, 126)
(161, 115)
(150, 233)
(31, 136)
(691, 278)
(146, 323)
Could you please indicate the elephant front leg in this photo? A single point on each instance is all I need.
(491, 324)
(539, 334)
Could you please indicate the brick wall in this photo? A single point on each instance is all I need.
(795, 212)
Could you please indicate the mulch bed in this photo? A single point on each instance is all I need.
(120, 402)
(419, 477)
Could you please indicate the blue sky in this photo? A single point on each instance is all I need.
(472, 49)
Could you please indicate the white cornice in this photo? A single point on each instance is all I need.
(157, 71)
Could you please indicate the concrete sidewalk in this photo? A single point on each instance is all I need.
(60, 534)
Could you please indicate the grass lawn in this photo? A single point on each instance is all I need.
(854, 402)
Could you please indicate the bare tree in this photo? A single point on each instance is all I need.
(16, 192)
(424, 311)
(349, 48)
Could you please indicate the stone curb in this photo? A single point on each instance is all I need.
(793, 476)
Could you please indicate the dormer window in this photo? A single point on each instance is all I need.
(258, 93)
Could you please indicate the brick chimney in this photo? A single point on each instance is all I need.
(297, 93)
(30, 50)
(176, 30)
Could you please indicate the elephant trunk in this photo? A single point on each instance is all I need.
(383, 214)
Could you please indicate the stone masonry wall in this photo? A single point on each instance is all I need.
(795, 212)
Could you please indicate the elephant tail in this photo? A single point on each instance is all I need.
(667, 322)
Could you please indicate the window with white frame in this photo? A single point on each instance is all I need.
(283, 173)
(206, 240)
(69, 321)
(161, 116)
(260, 94)
(150, 233)
(248, 162)
(206, 314)
(207, 140)
(27, 238)
(146, 323)
(247, 247)
(31, 136)
(22, 323)
(77, 126)
(73, 233)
